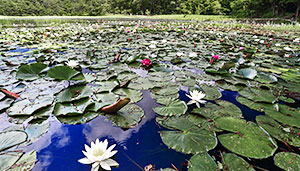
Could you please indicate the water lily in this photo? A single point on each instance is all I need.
(287, 48)
(242, 48)
(146, 62)
(72, 63)
(193, 54)
(99, 155)
(213, 58)
(196, 97)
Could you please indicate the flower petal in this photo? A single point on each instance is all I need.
(105, 165)
(112, 162)
(85, 161)
(95, 166)
(198, 104)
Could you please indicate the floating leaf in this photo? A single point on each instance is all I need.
(127, 117)
(248, 73)
(26, 162)
(36, 131)
(72, 108)
(221, 109)
(287, 161)
(30, 71)
(189, 139)
(11, 138)
(245, 137)
(134, 95)
(6, 103)
(74, 93)
(258, 95)
(77, 119)
(234, 163)
(172, 107)
(63, 73)
(284, 114)
(8, 159)
(202, 161)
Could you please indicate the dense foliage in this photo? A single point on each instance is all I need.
(243, 8)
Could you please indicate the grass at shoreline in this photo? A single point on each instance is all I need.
(217, 20)
(163, 17)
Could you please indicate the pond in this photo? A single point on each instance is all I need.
(171, 95)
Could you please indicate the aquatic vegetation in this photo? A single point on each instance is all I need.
(76, 72)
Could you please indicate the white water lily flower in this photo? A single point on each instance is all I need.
(277, 44)
(99, 155)
(193, 54)
(287, 48)
(196, 97)
(152, 46)
(179, 54)
(72, 63)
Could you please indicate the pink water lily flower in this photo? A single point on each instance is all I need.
(146, 62)
(213, 58)
(242, 48)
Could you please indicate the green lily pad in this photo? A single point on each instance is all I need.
(246, 139)
(249, 103)
(202, 161)
(30, 71)
(258, 95)
(287, 161)
(72, 108)
(11, 138)
(134, 95)
(8, 159)
(221, 109)
(63, 73)
(26, 107)
(189, 139)
(36, 131)
(212, 92)
(248, 73)
(26, 162)
(234, 163)
(278, 131)
(127, 117)
(106, 86)
(172, 107)
(6, 103)
(78, 119)
(284, 114)
(74, 93)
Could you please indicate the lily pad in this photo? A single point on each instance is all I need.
(36, 131)
(63, 73)
(127, 117)
(30, 71)
(234, 163)
(258, 95)
(284, 114)
(212, 92)
(187, 137)
(6, 103)
(8, 159)
(74, 93)
(248, 73)
(78, 119)
(72, 108)
(221, 109)
(26, 162)
(11, 138)
(134, 95)
(249, 139)
(202, 161)
(172, 107)
(287, 161)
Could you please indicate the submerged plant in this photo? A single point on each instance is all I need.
(196, 97)
(99, 155)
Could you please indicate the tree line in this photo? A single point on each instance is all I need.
(240, 8)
